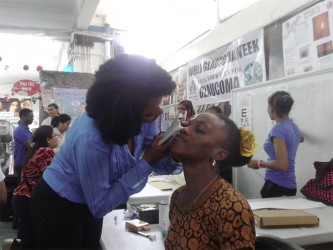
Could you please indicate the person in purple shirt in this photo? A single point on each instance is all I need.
(281, 147)
(22, 139)
(108, 154)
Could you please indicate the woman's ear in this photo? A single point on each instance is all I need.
(221, 155)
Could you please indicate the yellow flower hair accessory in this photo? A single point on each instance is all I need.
(248, 144)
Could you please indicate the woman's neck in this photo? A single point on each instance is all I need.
(281, 119)
(197, 180)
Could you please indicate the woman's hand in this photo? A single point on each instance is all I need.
(154, 152)
(254, 164)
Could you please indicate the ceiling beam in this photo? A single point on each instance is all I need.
(86, 14)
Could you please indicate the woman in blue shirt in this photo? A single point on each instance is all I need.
(108, 154)
(281, 147)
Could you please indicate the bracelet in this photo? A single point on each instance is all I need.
(259, 164)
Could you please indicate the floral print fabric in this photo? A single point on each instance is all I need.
(220, 219)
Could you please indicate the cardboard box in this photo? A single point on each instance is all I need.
(280, 218)
(137, 225)
(148, 212)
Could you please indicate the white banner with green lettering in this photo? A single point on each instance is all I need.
(240, 63)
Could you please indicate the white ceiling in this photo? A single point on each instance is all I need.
(32, 33)
(52, 21)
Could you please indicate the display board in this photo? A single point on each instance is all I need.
(312, 112)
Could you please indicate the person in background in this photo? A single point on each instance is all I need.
(53, 111)
(22, 139)
(36, 161)
(60, 125)
(227, 109)
(22, 144)
(3, 189)
(214, 109)
(281, 147)
(109, 152)
(225, 173)
(2, 105)
(14, 105)
(208, 212)
(26, 103)
(185, 107)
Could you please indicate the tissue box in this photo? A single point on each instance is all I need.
(280, 218)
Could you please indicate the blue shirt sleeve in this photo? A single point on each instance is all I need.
(103, 176)
(278, 131)
(103, 187)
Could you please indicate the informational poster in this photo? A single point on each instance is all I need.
(70, 101)
(241, 63)
(244, 111)
(307, 40)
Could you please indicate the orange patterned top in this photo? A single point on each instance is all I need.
(221, 218)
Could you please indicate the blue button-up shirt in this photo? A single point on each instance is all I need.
(103, 176)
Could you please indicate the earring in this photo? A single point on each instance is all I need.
(213, 163)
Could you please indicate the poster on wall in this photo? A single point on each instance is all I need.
(179, 76)
(307, 40)
(70, 101)
(223, 108)
(241, 63)
(11, 106)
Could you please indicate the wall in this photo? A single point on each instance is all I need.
(258, 15)
(312, 94)
(269, 14)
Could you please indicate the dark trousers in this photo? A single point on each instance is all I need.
(18, 171)
(21, 206)
(61, 224)
(271, 189)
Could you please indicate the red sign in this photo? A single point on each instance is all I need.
(26, 87)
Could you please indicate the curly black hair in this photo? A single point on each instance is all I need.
(122, 89)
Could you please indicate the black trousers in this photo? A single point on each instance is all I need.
(271, 189)
(61, 224)
(21, 206)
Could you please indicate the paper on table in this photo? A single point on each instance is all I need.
(298, 203)
(164, 186)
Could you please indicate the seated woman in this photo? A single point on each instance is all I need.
(36, 161)
(208, 213)
(185, 108)
(60, 125)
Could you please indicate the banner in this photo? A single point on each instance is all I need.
(307, 40)
(241, 63)
(70, 101)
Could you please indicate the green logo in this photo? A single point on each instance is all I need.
(253, 73)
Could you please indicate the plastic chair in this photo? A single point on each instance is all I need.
(271, 242)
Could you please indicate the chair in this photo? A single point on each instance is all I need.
(270, 242)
